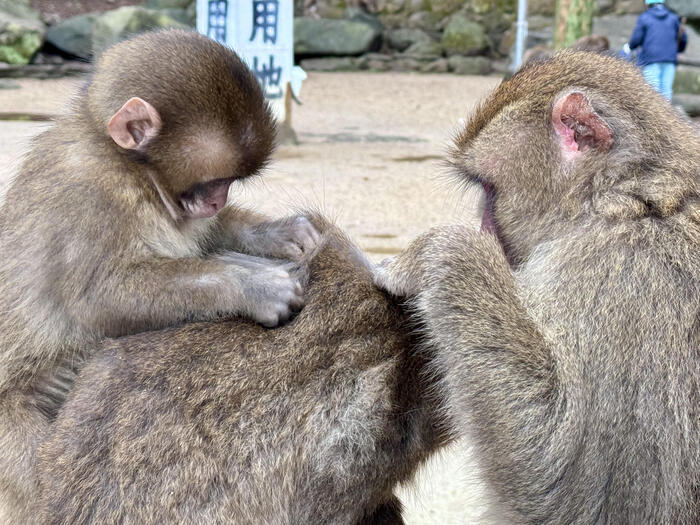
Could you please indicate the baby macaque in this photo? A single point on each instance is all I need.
(118, 223)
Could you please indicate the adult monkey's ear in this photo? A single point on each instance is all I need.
(134, 125)
(578, 127)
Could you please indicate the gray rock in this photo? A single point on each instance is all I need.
(444, 7)
(374, 62)
(469, 65)
(403, 38)
(603, 7)
(324, 10)
(424, 20)
(425, 49)
(618, 29)
(333, 37)
(539, 22)
(393, 21)
(45, 70)
(21, 32)
(542, 37)
(358, 15)
(184, 16)
(47, 58)
(501, 67)
(414, 6)
(507, 41)
(73, 35)
(463, 36)
(169, 4)
(687, 80)
(330, 64)
(689, 8)
(689, 102)
(493, 6)
(18, 9)
(118, 24)
(436, 66)
(389, 7)
(405, 64)
(382, 57)
(692, 51)
(541, 7)
(626, 7)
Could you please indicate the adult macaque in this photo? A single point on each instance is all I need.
(568, 329)
(117, 224)
(226, 422)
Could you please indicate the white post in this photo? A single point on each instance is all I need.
(521, 34)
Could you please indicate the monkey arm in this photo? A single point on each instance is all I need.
(464, 289)
(497, 365)
(252, 233)
(159, 292)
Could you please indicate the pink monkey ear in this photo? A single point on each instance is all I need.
(135, 124)
(578, 126)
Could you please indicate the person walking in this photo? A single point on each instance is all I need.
(661, 36)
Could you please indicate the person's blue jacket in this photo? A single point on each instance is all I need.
(657, 32)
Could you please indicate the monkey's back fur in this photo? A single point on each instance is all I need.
(228, 422)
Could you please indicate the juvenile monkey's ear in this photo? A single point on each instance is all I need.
(578, 126)
(135, 124)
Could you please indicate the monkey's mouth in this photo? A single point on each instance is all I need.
(206, 199)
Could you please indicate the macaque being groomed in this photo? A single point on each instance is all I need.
(225, 422)
(568, 329)
(117, 223)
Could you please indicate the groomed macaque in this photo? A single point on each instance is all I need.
(568, 329)
(226, 422)
(117, 223)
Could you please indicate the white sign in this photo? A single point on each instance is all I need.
(261, 32)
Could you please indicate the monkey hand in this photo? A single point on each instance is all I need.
(405, 274)
(289, 238)
(430, 257)
(270, 291)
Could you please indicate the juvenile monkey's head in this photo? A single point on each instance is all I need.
(578, 135)
(187, 108)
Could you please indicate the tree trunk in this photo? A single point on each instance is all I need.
(574, 20)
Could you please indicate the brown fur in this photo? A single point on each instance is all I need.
(226, 422)
(91, 248)
(576, 367)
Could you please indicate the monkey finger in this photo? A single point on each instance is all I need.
(245, 260)
(305, 233)
(289, 267)
(387, 262)
(297, 301)
(284, 312)
(307, 242)
(293, 251)
(396, 283)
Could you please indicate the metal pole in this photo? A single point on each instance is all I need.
(521, 34)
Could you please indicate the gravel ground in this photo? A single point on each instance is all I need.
(370, 156)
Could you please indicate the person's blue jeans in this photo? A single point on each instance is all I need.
(660, 75)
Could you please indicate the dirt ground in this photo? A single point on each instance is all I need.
(371, 157)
